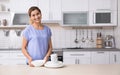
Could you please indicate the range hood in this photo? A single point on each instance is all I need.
(23, 19)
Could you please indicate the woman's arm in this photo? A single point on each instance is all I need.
(24, 51)
(49, 51)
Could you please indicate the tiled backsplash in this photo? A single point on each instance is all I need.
(10, 41)
(62, 37)
(65, 37)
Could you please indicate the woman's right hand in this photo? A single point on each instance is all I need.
(29, 62)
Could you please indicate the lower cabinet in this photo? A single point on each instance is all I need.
(115, 57)
(91, 57)
(100, 57)
(12, 57)
(76, 57)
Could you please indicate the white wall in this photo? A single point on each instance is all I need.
(117, 29)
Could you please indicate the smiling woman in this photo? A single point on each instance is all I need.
(37, 43)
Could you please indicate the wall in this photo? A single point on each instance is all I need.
(117, 29)
(62, 37)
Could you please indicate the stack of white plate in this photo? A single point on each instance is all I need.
(53, 65)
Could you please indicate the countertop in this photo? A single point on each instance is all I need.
(92, 49)
(66, 70)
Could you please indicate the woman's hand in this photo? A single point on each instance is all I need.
(46, 59)
(29, 62)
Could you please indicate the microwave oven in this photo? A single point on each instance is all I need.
(102, 17)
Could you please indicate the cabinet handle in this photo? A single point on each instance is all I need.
(100, 52)
(75, 61)
(115, 58)
(19, 55)
(78, 61)
(77, 54)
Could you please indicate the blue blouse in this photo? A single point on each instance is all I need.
(38, 41)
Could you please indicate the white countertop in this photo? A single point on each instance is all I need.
(66, 70)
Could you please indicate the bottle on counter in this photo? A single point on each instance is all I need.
(99, 41)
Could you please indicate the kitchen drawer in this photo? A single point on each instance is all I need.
(78, 54)
(17, 61)
(4, 54)
(16, 54)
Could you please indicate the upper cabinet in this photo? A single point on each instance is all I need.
(22, 6)
(99, 4)
(100, 12)
(75, 5)
(44, 6)
(51, 9)
(55, 10)
(102, 5)
(103, 12)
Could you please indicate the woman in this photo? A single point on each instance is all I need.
(37, 43)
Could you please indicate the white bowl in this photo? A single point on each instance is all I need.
(38, 63)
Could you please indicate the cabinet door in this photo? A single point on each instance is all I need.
(84, 60)
(17, 57)
(100, 57)
(99, 4)
(55, 10)
(70, 60)
(76, 57)
(44, 6)
(114, 57)
(4, 57)
(74, 5)
(22, 6)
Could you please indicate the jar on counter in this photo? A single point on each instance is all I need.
(4, 22)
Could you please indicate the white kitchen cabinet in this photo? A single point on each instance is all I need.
(12, 57)
(76, 57)
(4, 55)
(55, 10)
(21, 6)
(102, 5)
(99, 4)
(114, 57)
(44, 7)
(100, 57)
(74, 5)
(51, 10)
(17, 57)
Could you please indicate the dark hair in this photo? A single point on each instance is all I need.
(32, 9)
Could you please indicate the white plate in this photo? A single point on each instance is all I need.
(53, 65)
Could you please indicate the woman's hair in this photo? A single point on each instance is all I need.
(32, 9)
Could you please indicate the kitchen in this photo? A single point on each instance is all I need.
(65, 34)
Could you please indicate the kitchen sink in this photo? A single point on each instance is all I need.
(75, 48)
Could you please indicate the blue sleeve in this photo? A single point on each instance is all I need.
(25, 34)
(49, 32)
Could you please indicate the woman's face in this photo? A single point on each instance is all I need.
(36, 16)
